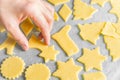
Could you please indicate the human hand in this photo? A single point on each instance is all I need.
(13, 12)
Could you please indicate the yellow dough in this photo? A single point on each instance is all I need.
(94, 76)
(37, 72)
(92, 59)
(113, 45)
(27, 26)
(67, 70)
(58, 2)
(12, 67)
(110, 30)
(91, 32)
(49, 54)
(8, 44)
(2, 29)
(117, 27)
(56, 17)
(82, 10)
(65, 41)
(100, 2)
(65, 12)
(115, 8)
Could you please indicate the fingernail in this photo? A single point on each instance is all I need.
(25, 47)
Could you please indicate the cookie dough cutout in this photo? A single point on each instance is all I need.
(82, 10)
(113, 45)
(115, 8)
(9, 45)
(94, 76)
(100, 2)
(27, 26)
(64, 40)
(92, 59)
(37, 72)
(65, 12)
(12, 67)
(49, 54)
(58, 2)
(110, 30)
(2, 29)
(67, 70)
(56, 17)
(91, 32)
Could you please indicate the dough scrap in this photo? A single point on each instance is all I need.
(27, 26)
(9, 45)
(91, 32)
(110, 30)
(67, 70)
(37, 72)
(2, 29)
(94, 76)
(64, 40)
(12, 67)
(115, 8)
(92, 59)
(100, 2)
(82, 10)
(117, 27)
(113, 45)
(65, 12)
(56, 17)
(49, 54)
(58, 2)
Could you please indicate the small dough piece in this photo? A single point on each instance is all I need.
(113, 45)
(37, 72)
(12, 67)
(67, 70)
(2, 29)
(34, 42)
(110, 30)
(100, 2)
(115, 8)
(94, 76)
(56, 17)
(65, 12)
(92, 59)
(58, 2)
(49, 54)
(27, 26)
(91, 32)
(65, 41)
(82, 10)
(8, 44)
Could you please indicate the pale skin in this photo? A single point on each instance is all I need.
(13, 12)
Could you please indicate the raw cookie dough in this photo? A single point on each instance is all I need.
(66, 43)
(12, 67)
(56, 17)
(117, 27)
(110, 30)
(37, 72)
(65, 12)
(115, 8)
(67, 70)
(58, 2)
(100, 2)
(94, 76)
(49, 54)
(91, 32)
(113, 45)
(82, 10)
(92, 59)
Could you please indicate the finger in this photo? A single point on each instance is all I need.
(13, 28)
